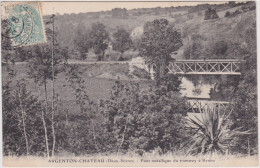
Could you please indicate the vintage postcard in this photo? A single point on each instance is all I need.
(129, 84)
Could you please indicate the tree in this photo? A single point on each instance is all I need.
(81, 40)
(99, 39)
(88, 108)
(158, 41)
(227, 14)
(142, 120)
(194, 49)
(244, 95)
(8, 54)
(245, 104)
(23, 53)
(121, 41)
(220, 49)
(210, 14)
(7, 51)
(119, 13)
(45, 66)
(232, 4)
(22, 129)
(20, 108)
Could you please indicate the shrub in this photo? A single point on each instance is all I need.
(194, 51)
(237, 12)
(232, 4)
(119, 13)
(22, 126)
(196, 91)
(220, 48)
(210, 14)
(227, 14)
(252, 7)
(142, 120)
(211, 131)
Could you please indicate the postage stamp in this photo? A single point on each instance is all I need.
(25, 26)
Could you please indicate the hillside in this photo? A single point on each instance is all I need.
(204, 35)
(189, 20)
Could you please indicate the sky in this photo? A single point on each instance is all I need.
(83, 7)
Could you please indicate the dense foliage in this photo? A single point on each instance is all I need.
(22, 133)
(158, 41)
(121, 41)
(99, 39)
(143, 120)
(210, 14)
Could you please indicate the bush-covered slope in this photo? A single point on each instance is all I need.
(211, 38)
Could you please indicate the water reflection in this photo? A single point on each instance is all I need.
(199, 91)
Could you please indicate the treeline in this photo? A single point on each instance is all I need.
(124, 13)
(118, 17)
(96, 40)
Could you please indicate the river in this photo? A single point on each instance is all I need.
(187, 86)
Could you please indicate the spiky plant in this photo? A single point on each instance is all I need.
(211, 131)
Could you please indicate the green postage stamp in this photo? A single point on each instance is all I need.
(24, 23)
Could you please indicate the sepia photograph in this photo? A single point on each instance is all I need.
(129, 84)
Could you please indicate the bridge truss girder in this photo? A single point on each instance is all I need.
(195, 105)
(214, 67)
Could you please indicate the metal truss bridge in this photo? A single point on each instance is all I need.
(196, 104)
(205, 67)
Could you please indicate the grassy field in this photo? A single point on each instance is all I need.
(99, 80)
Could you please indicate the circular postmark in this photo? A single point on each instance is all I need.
(20, 25)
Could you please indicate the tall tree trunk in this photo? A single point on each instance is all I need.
(123, 138)
(121, 57)
(94, 135)
(23, 123)
(53, 96)
(44, 122)
(101, 56)
(52, 121)
(190, 48)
